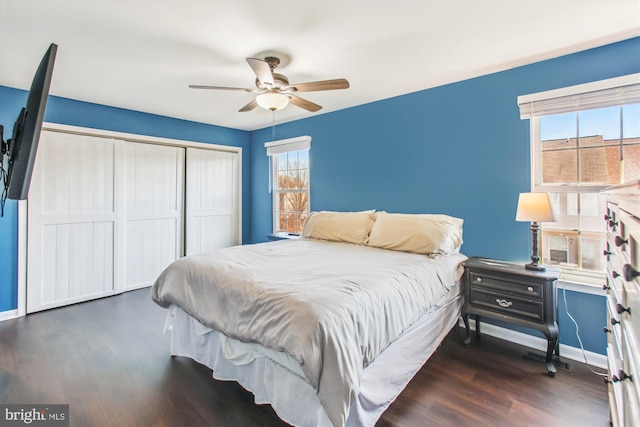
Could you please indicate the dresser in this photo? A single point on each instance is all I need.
(509, 292)
(623, 302)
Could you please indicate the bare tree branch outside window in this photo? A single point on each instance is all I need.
(292, 191)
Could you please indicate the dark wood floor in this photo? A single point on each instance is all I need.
(110, 362)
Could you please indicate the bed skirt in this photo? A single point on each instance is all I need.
(273, 379)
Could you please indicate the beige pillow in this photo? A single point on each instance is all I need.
(351, 227)
(422, 233)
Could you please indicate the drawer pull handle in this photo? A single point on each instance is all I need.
(607, 217)
(478, 279)
(613, 223)
(614, 321)
(629, 272)
(622, 376)
(615, 274)
(606, 287)
(620, 241)
(607, 330)
(606, 253)
(504, 303)
(621, 309)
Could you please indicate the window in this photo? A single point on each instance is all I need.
(290, 183)
(583, 139)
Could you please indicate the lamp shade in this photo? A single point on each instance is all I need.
(534, 207)
(272, 101)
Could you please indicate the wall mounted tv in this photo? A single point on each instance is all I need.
(21, 149)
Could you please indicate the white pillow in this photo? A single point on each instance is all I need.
(427, 234)
(351, 227)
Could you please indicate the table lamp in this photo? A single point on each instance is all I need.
(534, 207)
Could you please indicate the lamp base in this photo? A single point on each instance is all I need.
(535, 267)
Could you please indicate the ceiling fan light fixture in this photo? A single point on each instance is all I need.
(272, 101)
(275, 92)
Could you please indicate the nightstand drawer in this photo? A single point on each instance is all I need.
(527, 290)
(507, 304)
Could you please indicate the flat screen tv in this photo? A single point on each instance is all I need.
(22, 147)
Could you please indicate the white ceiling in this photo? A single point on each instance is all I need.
(143, 54)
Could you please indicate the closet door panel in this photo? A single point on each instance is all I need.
(212, 202)
(151, 247)
(70, 221)
(152, 230)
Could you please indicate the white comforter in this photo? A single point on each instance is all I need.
(332, 306)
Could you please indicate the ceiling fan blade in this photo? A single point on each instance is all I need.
(221, 88)
(262, 71)
(250, 106)
(304, 103)
(322, 85)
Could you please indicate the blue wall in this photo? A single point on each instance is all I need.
(459, 149)
(84, 114)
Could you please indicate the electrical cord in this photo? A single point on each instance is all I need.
(584, 354)
(3, 195)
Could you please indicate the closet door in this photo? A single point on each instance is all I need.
(71, 221)
(212, 202)
(152, 181)
(108, 215)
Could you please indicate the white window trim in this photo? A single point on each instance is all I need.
(616, 91)
(273, 149)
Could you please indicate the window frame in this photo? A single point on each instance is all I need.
(600, 94)
(274, 149)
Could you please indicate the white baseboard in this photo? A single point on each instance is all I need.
(8, 315)
(567, 352)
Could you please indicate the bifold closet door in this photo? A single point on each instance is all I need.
(71, 221)
(212, 212)
(153, 184)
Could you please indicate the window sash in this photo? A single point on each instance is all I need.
(277, 212)
(537, 165)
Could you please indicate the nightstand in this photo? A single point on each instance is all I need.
(509, 292)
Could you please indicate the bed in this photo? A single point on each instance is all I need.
(328, 328)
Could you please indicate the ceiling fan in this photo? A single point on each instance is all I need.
(273, 89)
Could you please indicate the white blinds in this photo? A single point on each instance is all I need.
(605, 93)
(291, 144)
